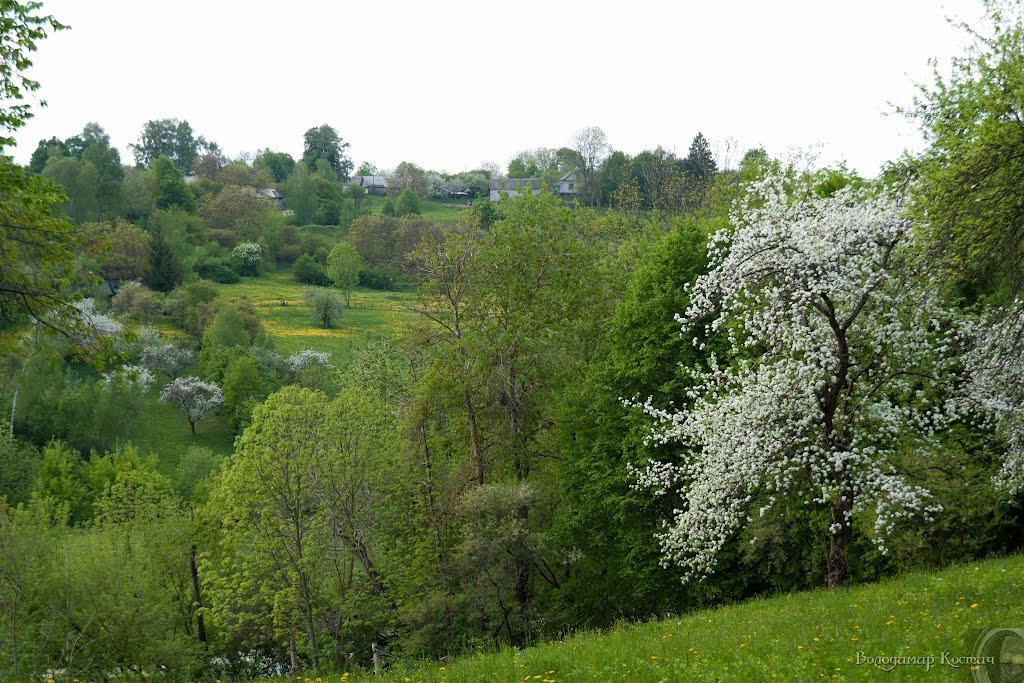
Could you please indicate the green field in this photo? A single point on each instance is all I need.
(278, 300)
(442, 211)
(798, 637)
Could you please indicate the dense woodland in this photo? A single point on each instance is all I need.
(703, 380)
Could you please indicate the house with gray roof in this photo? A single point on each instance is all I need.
(371, 184)
(565, 187)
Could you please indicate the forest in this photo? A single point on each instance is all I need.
(258, 422)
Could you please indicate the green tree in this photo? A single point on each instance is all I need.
(300, 194)
(173, 139)
(227, 329)
(324, 143)
(326, 307)
(343, 266)
(244, 387)
(164, 271)
(309, 271)
(408, 203)
(170, 189)
(22, 26)
(278, 164)
(700, 162)
(80, 182)
(969, 178)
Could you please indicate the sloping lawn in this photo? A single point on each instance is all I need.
(278, 300)
(798, 637)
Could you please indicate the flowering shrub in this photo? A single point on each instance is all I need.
(135, 377)
(307, 357)
(167, 359)
(248, 256)
(857, 363)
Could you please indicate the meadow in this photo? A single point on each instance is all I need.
(277, 297)
(441, 211)
(813, 635)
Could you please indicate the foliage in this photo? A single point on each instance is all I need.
(167, 359)
(172, 139)
(343, 266)
(21, 28)
(408, 203)
(325, 305)
(310, 272)
(169, 187)
(857, 366)
(324, 144)
(163, 272)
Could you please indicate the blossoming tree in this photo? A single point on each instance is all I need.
(194, 397)
(840, 365)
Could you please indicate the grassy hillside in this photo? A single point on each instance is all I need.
(442, 211)
(799, 637)
(278, 300)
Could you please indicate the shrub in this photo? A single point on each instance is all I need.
(227, 329)
(248, 256)
(376, 278)
(408, 203)
(310, 272)
(326, 307)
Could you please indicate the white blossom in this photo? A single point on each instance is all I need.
(166, 358)
(194, 397)
(98, 323)
(853, 358)
(136, 377)
(307, 357)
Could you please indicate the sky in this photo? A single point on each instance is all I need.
(451, 84)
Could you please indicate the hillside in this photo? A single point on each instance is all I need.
(802, 636)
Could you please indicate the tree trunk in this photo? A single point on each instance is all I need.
(294, 652)
(196, 595)
(838, 541)
(192, 425)
(474, 437)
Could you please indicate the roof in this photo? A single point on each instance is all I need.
(509, 184)
(369, 180)
(271, 192)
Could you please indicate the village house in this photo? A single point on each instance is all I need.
(371, 184)
(564, 187)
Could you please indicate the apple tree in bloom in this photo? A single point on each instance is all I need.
(193, 397)
(843, 359)
(167, 359)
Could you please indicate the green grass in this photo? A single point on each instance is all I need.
(797, 637)
(278, 300)
(161, 429)
(442, 211)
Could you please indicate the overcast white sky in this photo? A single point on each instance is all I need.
(449, 85)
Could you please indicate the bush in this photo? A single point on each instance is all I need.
(376, 278)
(310, 272)
(408, 203)
(218, 271)
(227, 329)
(326, 307)
(138, 302)
(248, 256)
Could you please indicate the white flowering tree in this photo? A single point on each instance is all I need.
(300, 360)
(167, 359)
(248, 255)
(844, 365)
(131, 377)
(193, 397)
